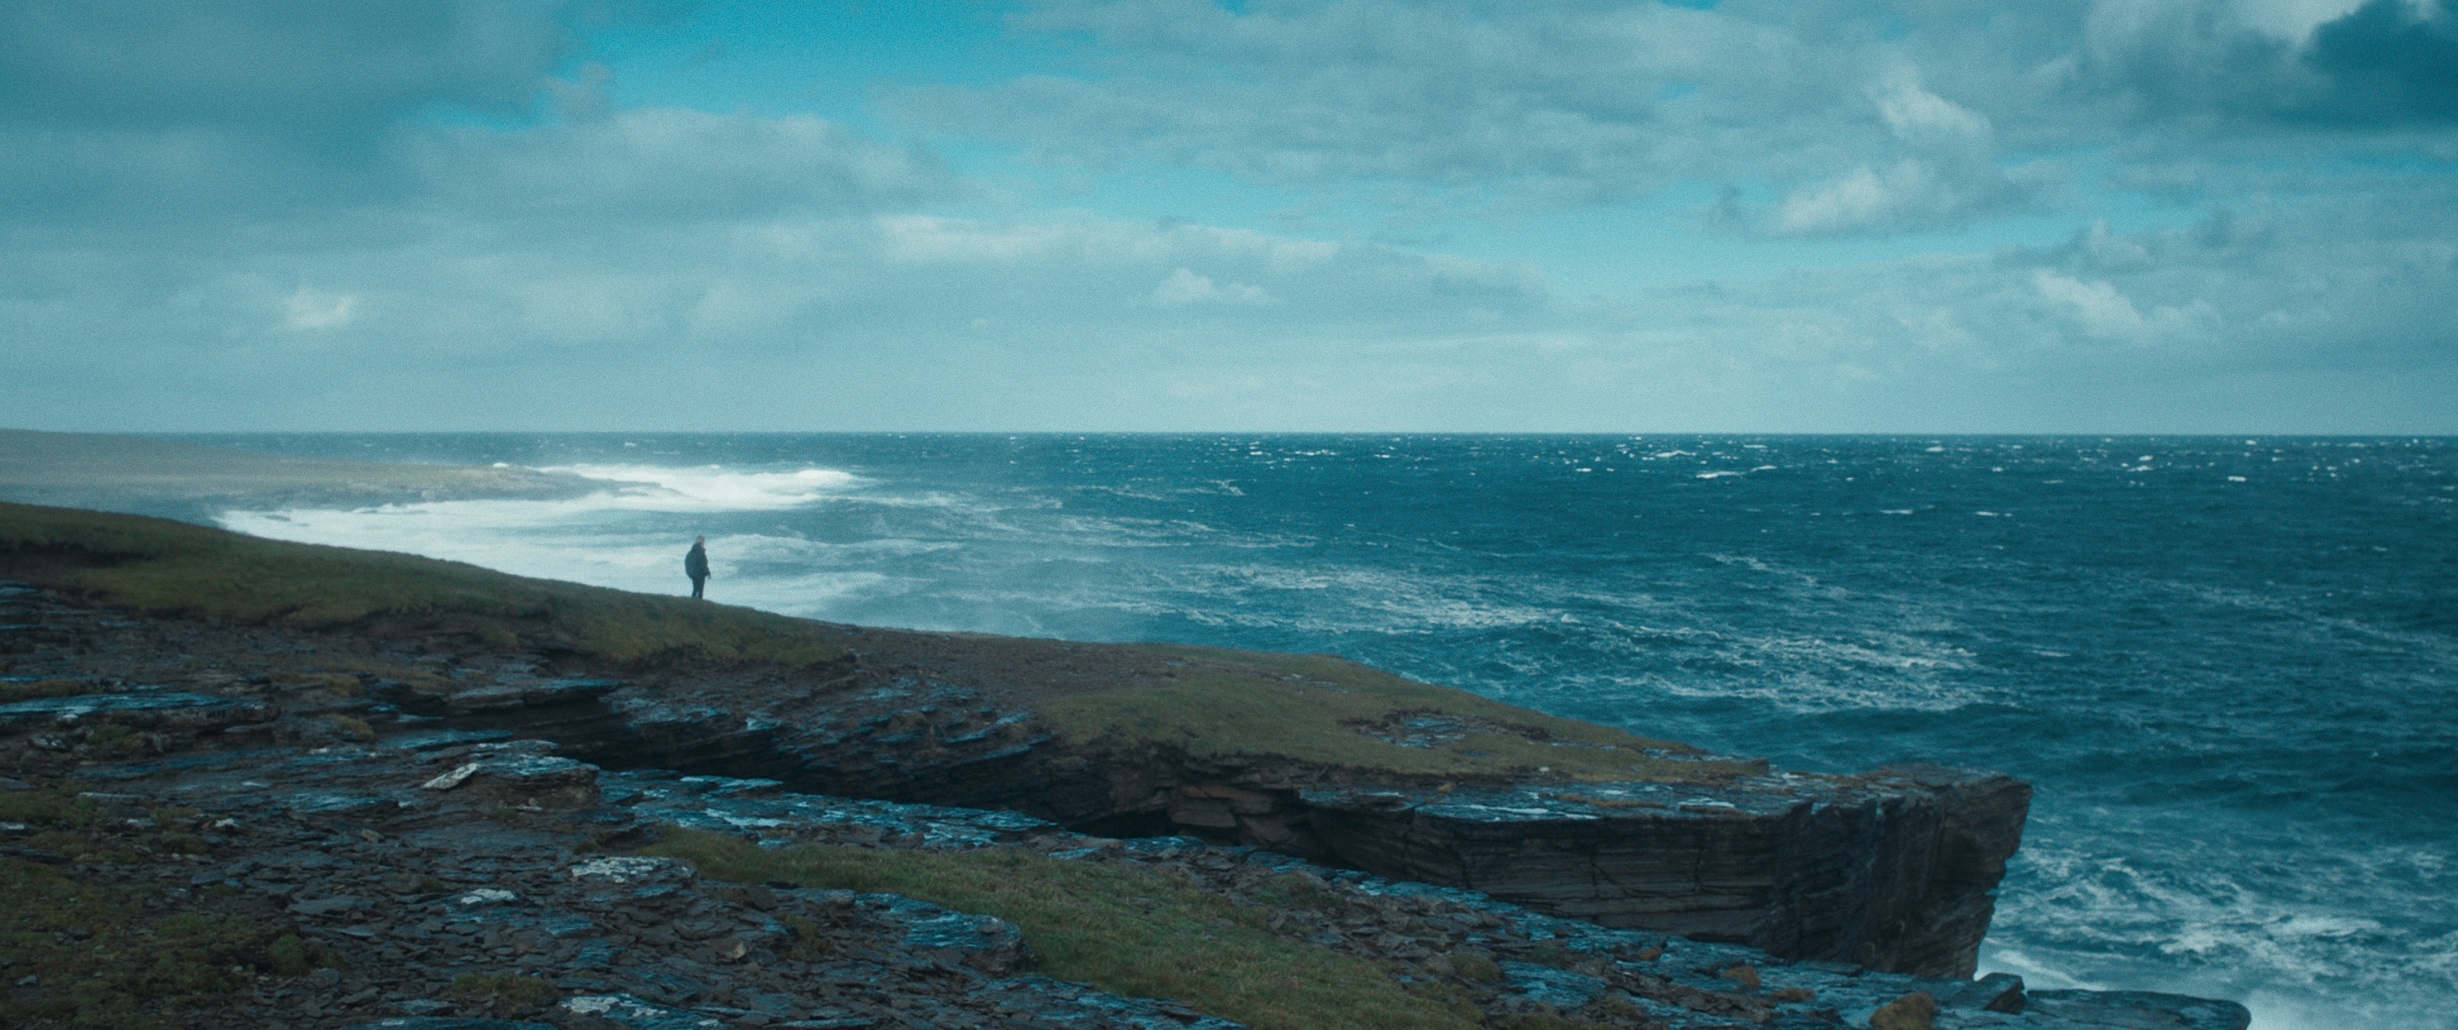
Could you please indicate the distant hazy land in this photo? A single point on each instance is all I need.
(192, 482)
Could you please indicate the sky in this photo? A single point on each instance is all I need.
(1913, 216)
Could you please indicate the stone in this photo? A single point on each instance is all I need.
(633, 869)
(539, 781)
(2140, 1010)
(455, 778)
(485, 896)
(1914, 1011)
(197, 713)
(1996, 992)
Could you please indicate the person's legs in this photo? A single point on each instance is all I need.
(696, 583)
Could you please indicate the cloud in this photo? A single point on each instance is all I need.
(2101, 310)
(397, 216)
(299, 70)
(850, 319)
(672, 162)
(1185, 287)
(1556, 103)
(202, 110)
(1950, 176)
(2395, 60)
(1855, 117)
(2333, 65)
(310, 308)
(759, 317)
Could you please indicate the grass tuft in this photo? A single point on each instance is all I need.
(1125, 930)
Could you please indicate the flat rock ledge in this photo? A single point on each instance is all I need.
(1894, 869)
(448, 871)
(1890, 870)
(409, 886)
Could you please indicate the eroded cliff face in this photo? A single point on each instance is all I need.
(393, 837)
(1892, 870)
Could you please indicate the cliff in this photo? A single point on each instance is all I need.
(346, 696)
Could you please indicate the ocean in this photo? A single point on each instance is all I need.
(2229, 665)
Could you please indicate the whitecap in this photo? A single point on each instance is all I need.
(712, 487)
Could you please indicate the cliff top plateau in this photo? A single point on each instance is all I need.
(252, 783)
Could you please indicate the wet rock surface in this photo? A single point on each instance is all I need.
(1893, 869)
(429, 863)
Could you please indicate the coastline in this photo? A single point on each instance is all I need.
(1171, 763)
(192, 482)
(685, 686)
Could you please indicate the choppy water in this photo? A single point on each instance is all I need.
(2230, 665)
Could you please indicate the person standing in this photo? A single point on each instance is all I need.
(695, 564)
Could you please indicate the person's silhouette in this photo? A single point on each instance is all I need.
(695, 564)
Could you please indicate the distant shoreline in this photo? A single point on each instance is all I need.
(195, 482)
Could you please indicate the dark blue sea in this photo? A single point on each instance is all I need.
(2230, 665)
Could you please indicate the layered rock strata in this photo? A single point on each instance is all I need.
(1894, 869)
(423, 881)
(1890, 871)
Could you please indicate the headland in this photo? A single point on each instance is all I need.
(357, 785)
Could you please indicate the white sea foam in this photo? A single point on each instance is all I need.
(596, 538)
(712, 487)
(2277, 938)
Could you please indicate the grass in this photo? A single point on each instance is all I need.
(111, 956)
(1206, 702)
(1125, 930)
(1327, 710)
(170, 568)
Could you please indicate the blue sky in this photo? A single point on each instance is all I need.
(1779, 216)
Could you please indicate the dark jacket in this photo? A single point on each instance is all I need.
(695, 563)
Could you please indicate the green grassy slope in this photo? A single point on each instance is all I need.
(1208, 703)
(170, 568)
(1125, 930)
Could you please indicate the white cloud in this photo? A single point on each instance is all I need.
(1560, 104)
(1915, 113)
(1864, 198)
(2098, 306)
(1951, 174)
(309, 308)
(1185, 287)
(673, 161)
(598, 265)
